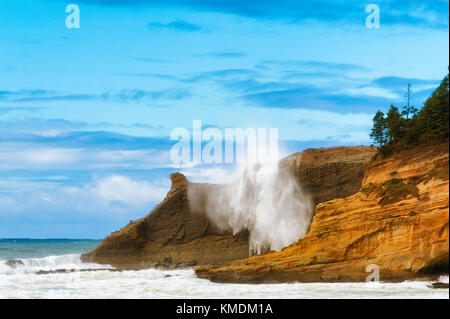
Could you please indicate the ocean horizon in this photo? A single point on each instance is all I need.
(19, 248)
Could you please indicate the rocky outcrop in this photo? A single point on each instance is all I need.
(439, 285)
(170, 236)
(175, 235)
(398, 221)
(330, 173)
(14, 263)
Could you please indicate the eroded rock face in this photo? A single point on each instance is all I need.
(330, 173)
(398, 221)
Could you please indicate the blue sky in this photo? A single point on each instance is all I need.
(86, 114)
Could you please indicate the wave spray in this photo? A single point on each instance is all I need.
(264, 199)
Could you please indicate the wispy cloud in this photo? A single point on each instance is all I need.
(178, 25)
(24, 128)
(153, 60)
(150, 75)
(308, 84)
(307, 97)
(125, 95)
(395, 82)
(230, 74)
(317, 66)
(71, 135)
(25, 109)
(44, 157)
(225, 55)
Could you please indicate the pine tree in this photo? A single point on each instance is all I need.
(408, 109)
(433, 118)
(430, 123)
(379, 130)
(395, 125)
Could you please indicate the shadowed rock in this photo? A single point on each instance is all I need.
(330, 173)
(72, 270)
(14, 263)
(439, 285)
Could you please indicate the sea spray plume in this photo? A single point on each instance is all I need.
(264, 199)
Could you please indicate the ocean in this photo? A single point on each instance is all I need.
(50, 268)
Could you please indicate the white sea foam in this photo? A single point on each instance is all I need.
(32, 265)
(22, 282)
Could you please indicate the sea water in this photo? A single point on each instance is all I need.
(99, 282)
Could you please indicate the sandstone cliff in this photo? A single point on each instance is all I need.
(398, 221)
(173, 235)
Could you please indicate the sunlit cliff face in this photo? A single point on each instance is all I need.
(261, 198)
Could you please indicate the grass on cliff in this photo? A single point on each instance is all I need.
(395, 190)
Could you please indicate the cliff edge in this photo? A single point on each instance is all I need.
(332, 172)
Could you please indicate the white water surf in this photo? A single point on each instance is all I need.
(23, 282)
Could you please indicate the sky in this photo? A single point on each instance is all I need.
(86, 113)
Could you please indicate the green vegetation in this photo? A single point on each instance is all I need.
(412, 127)
(397, 189)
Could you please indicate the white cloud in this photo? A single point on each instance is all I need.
(108, 195)
(121, 188)
(48, 156)
(20, 157)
